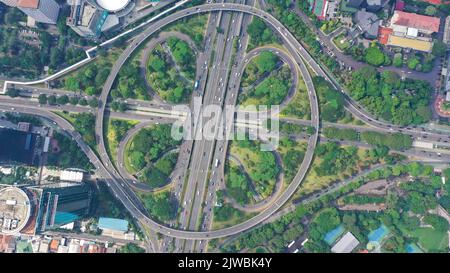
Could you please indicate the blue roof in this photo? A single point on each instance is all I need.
(113, 223)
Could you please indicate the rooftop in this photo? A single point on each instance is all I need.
(435, 2)
(113, 224)
(32, 4)
(113, 6)
(346, 244)
(14, 210)
(71, 176)
(420, 45)
(368, 22)
(383, 35)
(418, 21)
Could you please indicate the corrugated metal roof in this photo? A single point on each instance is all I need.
(113, 224)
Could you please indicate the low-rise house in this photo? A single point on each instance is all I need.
(410, 30)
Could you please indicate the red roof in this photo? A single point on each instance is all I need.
(436, 2)
(33, 4)
(383, 34)
(413, 20)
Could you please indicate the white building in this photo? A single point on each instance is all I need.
(71, 176)
(346, 244)
(46, 144)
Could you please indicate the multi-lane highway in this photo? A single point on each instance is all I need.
(121, 188)
(314, 117)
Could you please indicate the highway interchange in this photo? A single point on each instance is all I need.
(195, 221)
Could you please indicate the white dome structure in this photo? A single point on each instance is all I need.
(113, 5)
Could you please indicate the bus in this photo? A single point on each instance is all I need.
(290, 244)
(304, 242)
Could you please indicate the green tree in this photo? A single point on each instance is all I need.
(42, 99)
(64, 99)
(439, 48)
(83, 102)
(51, 100)
(398, 60)
(73, 100)
(266, 61)
(93, 103)
(374, 56)
(72, 84)
(131, 248)
(430, 10)
(413, 62)
(13, 92)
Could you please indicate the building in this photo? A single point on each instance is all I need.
(24, 126)
(89, 18)
(71, 176)
(410, 30)
(30, 210)
(333, 9)
(353, 6)
(116, 228)
(7, 244)
(346, 244)
(85, 19)
(405, 23)
(46, 144)
(15, 210)
(436, 2)
(63, 203)
(368, 23)
(374, 5)
(446, 37)
(43, 11)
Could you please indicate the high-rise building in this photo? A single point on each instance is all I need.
(62, 203)
(44, 11)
